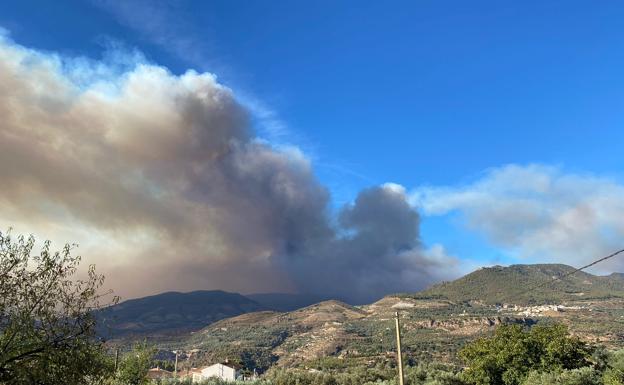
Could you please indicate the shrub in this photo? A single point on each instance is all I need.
(582, 376)
(509, 356)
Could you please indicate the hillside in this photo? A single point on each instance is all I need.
(172, 312)
(436, 322)
(296, 336)
(514, 284)
(335, 333)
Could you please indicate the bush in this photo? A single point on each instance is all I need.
(509, 356)
(614, 373)
(582, 376)
(432, 374)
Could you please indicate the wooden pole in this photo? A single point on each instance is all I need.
(175, 366)
(399, 355)
(116, 359)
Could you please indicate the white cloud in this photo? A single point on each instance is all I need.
(538, 212)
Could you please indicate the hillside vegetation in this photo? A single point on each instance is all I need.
(333, 335)
(515, 285)
(176, 313)
(436, 322)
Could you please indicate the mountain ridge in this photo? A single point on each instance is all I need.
(436, 322)
(514, 284)
(285, 301)
(172, 312)
(178, 313)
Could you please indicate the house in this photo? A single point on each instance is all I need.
(226, 371)
(156, 373)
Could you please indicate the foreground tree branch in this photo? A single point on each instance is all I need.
(47, 325)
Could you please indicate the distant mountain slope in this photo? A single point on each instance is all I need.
(172, 312)
(284, 301)
(338, 330)
(514, 284)
(435, 323)
(311, 332)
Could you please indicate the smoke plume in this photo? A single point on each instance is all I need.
(165, 186)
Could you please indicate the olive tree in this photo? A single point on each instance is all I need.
(135, 365)
(47, 326)
(507, 357)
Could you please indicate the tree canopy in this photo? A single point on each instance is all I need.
(47, 327)
(512, 353)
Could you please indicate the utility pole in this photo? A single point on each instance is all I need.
(399, 356)
(116, 359)
(175, 367)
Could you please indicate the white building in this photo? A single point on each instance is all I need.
(225, 371)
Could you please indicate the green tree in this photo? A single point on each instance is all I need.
(507, 357)
(47, 327)
(135, 365)
(614, 373)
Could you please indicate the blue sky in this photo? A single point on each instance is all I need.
(438, 95)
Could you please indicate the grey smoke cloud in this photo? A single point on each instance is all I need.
(165, 186)
(377, 250)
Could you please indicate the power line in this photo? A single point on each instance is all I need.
(555, 279)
